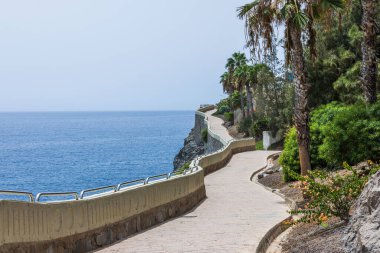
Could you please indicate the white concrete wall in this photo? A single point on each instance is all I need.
(268, 139)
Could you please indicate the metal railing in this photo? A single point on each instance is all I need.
(55, 194)
(18, 193)
(113, 187)
(162, 176)
(119, 186)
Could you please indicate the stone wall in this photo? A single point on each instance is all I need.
(214, 142)
(199, 124)
(219, 159)
(269, 139)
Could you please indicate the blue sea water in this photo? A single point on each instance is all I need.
(72, 151)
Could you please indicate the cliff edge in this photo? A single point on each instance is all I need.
(189, 151)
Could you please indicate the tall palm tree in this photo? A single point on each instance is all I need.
(249, 85)
(368, 69)
(241, 77)
(238, 59)
(297, 16)
(226, 83)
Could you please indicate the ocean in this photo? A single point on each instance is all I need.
(73, 151)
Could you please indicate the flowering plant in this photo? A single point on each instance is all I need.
(330, 194)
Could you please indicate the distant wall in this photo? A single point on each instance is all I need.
(214, 142)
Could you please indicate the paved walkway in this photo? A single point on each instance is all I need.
(216, 126)
(234, 217)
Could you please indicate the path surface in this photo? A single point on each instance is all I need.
(234, 217)
(216, 125)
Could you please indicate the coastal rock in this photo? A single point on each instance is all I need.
(363, 229)
(189, 151)
(272, 166)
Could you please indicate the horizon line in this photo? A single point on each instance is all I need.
(143, 110)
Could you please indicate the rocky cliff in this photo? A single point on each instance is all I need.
(189, 151)
(194, 145)
(363, 234)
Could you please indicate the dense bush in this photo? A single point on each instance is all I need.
(223, 106)
(289, 158)
(223, 109)
(258, 126)
(352, 136)
(229, 116)
(330, 194)
(228, 104)
(245, 125)
(339, 133)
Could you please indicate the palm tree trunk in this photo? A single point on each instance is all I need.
(368, 68)
(249, 99)
(242, 102)
(301, 110)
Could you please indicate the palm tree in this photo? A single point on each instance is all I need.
(238, 59)
(368, 69)
(241, 77)
(226, 83)
(297, 16)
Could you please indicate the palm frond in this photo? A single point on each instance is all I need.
(300, 19)
(242, 11)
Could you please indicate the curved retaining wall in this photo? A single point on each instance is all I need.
(84, 225)
(214, 141)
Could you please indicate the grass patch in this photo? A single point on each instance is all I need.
(183, 168)
(259, 145)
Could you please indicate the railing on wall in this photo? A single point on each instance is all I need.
(209, 129)
(111, 188)
(18, 193)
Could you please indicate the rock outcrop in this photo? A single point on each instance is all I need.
(273, 166)
(363, 233)
(189, 151)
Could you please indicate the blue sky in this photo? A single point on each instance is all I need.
(115, 54)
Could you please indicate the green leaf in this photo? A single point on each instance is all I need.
(300, 19)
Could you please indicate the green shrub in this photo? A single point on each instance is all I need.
(245, 125)
(204, 134)
(183, 168)
(258, 126)
(352, 136)
(289, 158)
(339, 133)
(223, 106)
(330, 195)
(229, 116)
(259, 145)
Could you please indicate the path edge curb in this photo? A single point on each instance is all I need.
(280, 227)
